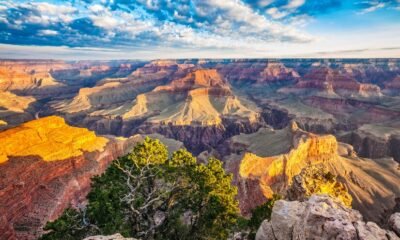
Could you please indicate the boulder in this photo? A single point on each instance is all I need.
(321, 217)
(394, 223)
(116, 236)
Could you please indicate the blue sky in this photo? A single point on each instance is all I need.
(152, 29)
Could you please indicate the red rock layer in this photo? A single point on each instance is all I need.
(325, 78)
(33, 191)
(259, 72)
(22, 75)
(198, 78)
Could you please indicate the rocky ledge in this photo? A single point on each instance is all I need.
(321, 217)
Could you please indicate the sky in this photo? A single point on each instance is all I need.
(156, 29)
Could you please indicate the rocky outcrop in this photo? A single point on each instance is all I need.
(274, 157)
(318, 218)
(317, 179)
(394, 223)
(116, 236)
(34, 191)
(49, 139)
(15, 103)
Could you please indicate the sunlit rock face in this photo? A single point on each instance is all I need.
(308, 149)
(48, 138)
(47, 166)
(316, 179)
(273, 161)
(14, 103)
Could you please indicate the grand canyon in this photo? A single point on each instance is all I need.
(199, 120)
(272, 122)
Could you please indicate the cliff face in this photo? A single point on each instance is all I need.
(330, 95)
(15, 103)
(27, 75)
(319, 218)
(49, 139)
(275, 173)
(333, 82)
(277, 168)
(199, 109)
(49, 166)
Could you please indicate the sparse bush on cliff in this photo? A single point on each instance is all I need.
(259, 214)
(149, 195)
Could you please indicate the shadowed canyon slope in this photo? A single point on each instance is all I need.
(274, 123)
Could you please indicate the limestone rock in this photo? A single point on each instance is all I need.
(116, 236)
(321, 217)
(394, 223)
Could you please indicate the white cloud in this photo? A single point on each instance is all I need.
(292, 4)
(275, 13)
(375, 6)
(106, 22)
(52, 9)
(96, 8)
(253, 22)
(47, 32)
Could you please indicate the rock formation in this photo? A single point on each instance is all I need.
(200, 103)
(14, 103)
(318, 218)
(116, 236)
(394, 223)
(276, 159)
(47, 166)
(48, 139)
(332, 83)
(317, 179)
(28, 75)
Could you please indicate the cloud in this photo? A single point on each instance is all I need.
(121, 24)
(369, 6)
(295, 4)
(251, 25)
(47, 32)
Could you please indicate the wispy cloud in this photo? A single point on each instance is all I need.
(369, 6)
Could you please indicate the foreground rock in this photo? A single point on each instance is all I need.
(394, 223)
(116, 236)
(320, 217)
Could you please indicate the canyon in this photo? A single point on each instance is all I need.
(273, 122)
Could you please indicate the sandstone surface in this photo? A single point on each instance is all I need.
(48, 138)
